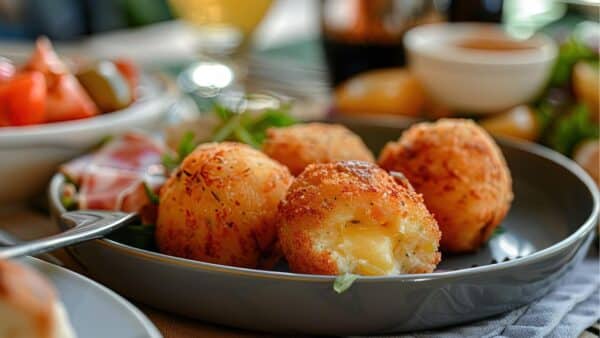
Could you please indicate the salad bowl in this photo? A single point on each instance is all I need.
(548, 230)
(30, 154)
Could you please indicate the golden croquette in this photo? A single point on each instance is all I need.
(300, 145)
(352, 217)
(462, 175)
(220, 205)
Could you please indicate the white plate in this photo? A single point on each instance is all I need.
(95, 311)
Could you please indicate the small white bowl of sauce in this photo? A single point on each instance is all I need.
(478, 68)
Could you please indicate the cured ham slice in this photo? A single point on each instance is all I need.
(118, 175)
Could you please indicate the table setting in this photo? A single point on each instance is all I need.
(321, 168)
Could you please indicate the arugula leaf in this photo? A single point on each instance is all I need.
(570, 53)
(151, 195)
(344, 282)
(222, 112)
(248, 128)
(243, 135)
(270, 118)
(224, 131)
(572, 128)
(186, 145)
(498, 231)
(170, 162)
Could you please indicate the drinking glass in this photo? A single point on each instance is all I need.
(223, 29)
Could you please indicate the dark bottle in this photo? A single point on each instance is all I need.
(475, 10)
(346, 59)
(360, 35)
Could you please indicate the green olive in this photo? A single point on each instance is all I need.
(106, 86)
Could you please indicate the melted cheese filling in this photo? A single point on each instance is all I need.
(369, 249)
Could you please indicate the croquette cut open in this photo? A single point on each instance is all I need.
(462, 175)
(220, 205)
(353, 217)
(300, 145)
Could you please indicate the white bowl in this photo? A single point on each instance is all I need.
(476, 80)
(30, 155)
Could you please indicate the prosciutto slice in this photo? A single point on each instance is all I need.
(117, 176)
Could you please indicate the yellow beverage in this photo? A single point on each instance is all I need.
(239, 15)
(222, 30)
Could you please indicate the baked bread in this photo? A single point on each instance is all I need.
(29, 307)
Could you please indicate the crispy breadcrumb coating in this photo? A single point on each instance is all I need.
(353, 217)
(462, 175)
(220, 205)
(300, 145)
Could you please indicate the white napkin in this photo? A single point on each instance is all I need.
(566, 311)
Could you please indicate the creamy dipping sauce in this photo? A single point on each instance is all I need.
(494, 44)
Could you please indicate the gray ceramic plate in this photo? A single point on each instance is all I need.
(547, 231)
(94, 311)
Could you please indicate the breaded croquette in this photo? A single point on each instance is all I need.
(220, 205)
(353, 217)
(462, 175)
(302, 144)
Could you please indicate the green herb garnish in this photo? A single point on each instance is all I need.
(243, 135)
(270, 118)
(225, 130)
(248, 127)
(244, 127)
(344, 282)
(569, 54)
(187, 144)
(153, 197)
(222, 112)
(572, 128)
(497, 232)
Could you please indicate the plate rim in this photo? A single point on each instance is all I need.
(165, 94)
(586, 227)
(145, 322)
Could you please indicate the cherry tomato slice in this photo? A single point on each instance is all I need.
(67, 100)
(23, 99)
